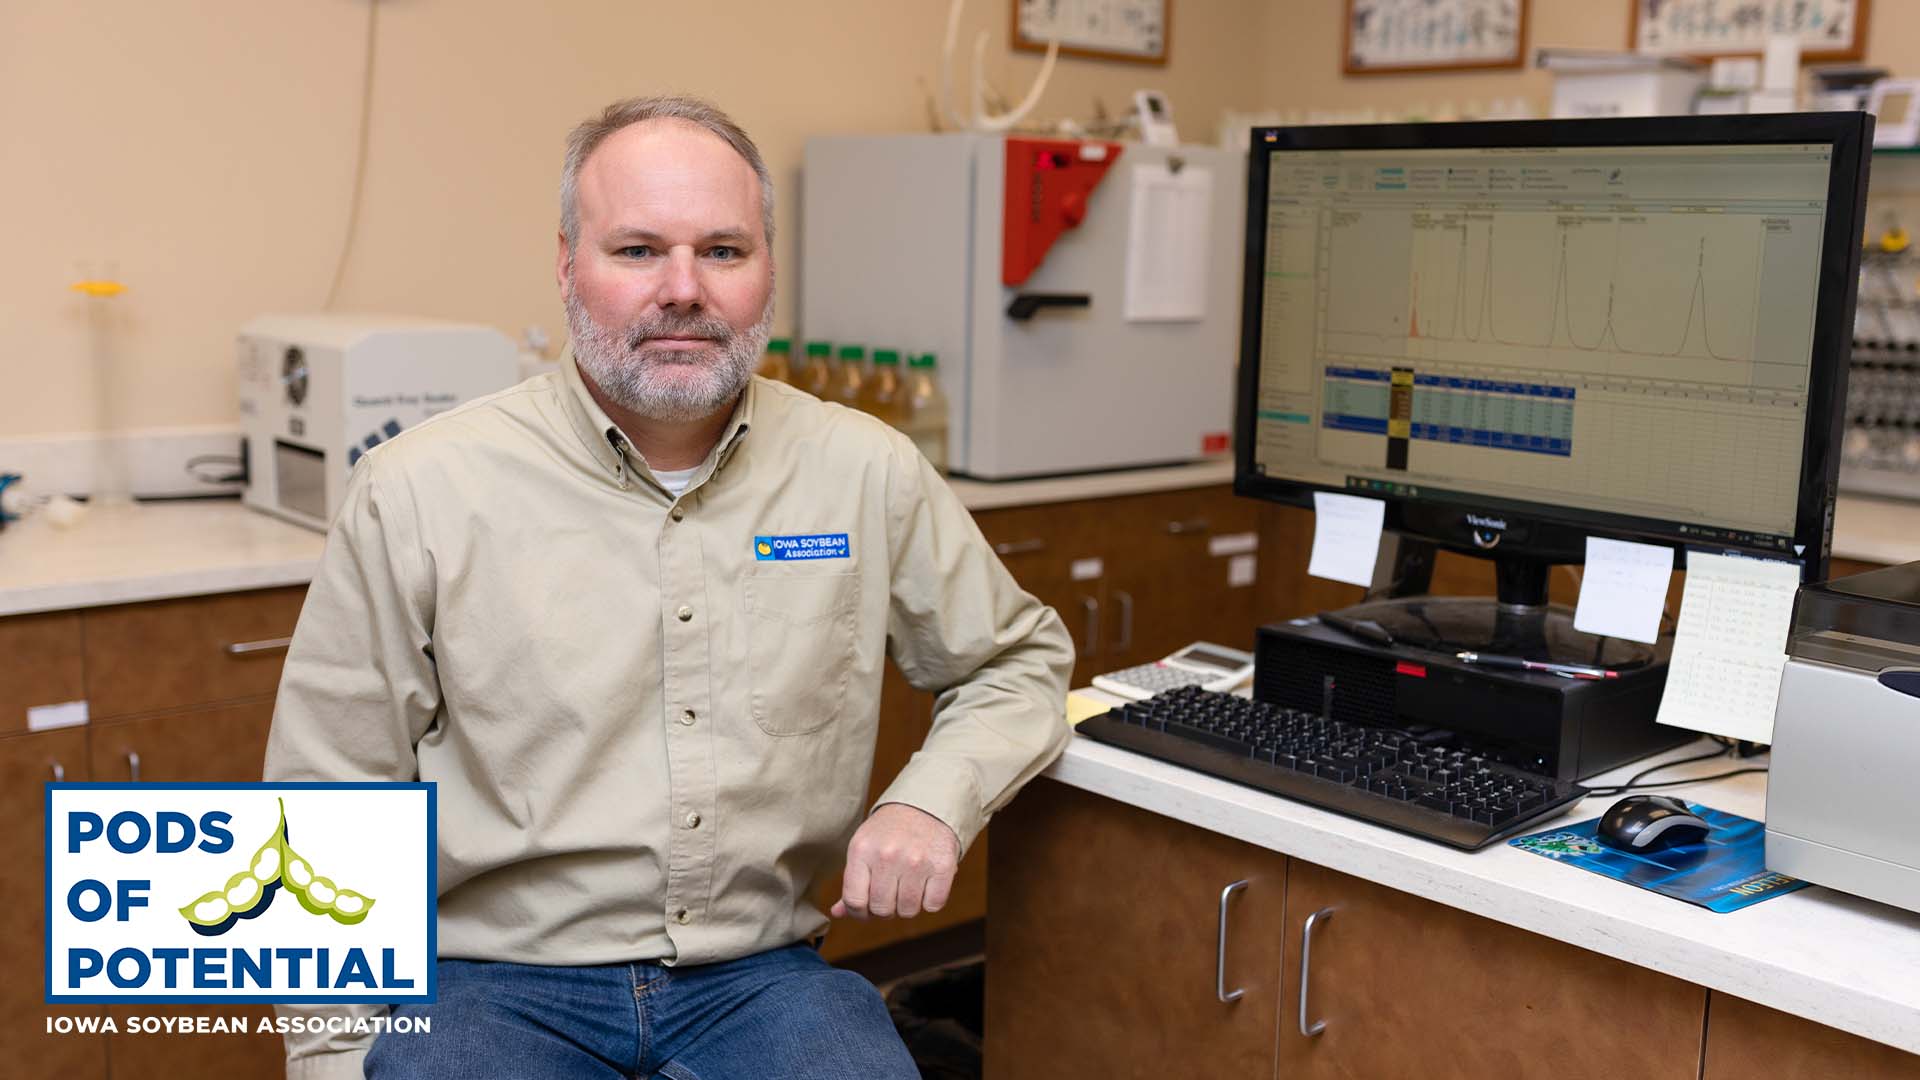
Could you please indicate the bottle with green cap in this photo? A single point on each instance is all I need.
(848, 376)
(816, 375)
(777, 362)
(884, 394)
(926, 410)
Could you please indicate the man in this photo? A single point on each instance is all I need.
(575, 606)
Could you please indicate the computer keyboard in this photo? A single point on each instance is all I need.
(1440, 790)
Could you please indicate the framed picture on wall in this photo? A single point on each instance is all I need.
(1827, 29)
(1131, 30)
(1392, 36)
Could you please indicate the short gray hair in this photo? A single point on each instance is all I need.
(587, 137)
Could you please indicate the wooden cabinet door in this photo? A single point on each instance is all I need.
(227, 743)
(39, 665)
(1745, 1040)
(1103, 948)
(1408, 987)
(1166, 586)
(27, 762)
(1046, 549)
(197, 650)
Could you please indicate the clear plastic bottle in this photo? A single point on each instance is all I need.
(816, 375)
(848, 376)
(884, 393)
(926, 410)
(777, 363)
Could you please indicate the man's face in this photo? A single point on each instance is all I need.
(669, 291)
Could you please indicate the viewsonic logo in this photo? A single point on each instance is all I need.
(1480, 522)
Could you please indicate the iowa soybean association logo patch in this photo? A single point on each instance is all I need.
(806, 546)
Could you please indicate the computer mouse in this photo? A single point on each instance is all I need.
(1642, 823)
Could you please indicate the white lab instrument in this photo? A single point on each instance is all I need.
(318, 391)
(1151, 108)
(1018, 260)
(1841, 800)
(1592, 83)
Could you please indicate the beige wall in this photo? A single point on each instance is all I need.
(204, 146)
(1303, 69)
(1301, 66)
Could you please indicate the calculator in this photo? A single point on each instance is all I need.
(1201, 664)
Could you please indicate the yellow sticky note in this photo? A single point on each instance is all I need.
(1079, 708)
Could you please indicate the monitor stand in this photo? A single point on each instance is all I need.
(1518, 621)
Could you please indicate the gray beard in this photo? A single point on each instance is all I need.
(643, 381)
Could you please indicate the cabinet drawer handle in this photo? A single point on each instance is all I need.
(1220, 961)
(242, 648)
(1191, 525)
(1092, 607)
(1306, 967)
(1019, 547)
(1126, 621)
(59, 773)
(133, 766)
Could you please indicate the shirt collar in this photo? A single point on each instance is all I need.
(604, 440)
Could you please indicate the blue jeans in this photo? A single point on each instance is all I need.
(780, 1014)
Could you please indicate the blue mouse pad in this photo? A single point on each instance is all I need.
(1724, 873)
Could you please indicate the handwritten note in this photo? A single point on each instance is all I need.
(1623, 590)
(1346, 537)
(1735, 615)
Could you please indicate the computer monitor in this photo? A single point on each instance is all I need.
(1519, 335)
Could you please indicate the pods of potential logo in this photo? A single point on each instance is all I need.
(240, 892)
(810, 546)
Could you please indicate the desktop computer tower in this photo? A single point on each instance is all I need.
(1564, 728)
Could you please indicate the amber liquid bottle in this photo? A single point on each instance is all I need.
(777, 362)
(816, 375)
(849, 376)
(884, 394)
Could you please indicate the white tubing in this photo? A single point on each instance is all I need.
(981, 120)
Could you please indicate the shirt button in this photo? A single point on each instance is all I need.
(681, 916)
(676, 513)
(693, 820)
(686, 717)
(685, 613)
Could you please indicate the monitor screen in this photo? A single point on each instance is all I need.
(1519, 327)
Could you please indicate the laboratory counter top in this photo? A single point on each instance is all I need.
(1832, 958)
(159, 550)
(164, 549)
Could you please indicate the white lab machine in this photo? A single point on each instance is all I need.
(1083, 297)
(1841, 799)
(319, 391)
(1591, 83)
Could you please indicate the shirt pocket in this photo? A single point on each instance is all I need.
(800, 644)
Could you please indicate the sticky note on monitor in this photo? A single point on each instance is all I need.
(1623, 589)
(1731, 645)
(1346, 537)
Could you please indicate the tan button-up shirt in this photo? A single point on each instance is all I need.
(651, 719)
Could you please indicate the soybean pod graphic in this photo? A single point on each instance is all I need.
(249, 893)
(319, 894)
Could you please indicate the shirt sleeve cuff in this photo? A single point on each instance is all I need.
(946, 790)
(344, 1065)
